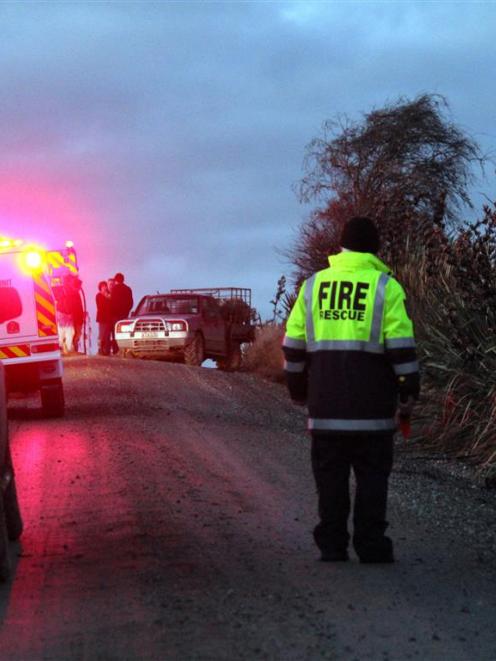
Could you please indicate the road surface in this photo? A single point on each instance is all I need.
(169, 516)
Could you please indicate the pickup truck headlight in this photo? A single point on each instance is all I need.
(124, 328)
(176, 326)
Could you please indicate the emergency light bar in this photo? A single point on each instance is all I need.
(5, 243)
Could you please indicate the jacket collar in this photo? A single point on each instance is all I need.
(351, 261)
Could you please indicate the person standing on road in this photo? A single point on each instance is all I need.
(121, 298)
(78, 312)
(121, 303)
(349, 355)
(103, 318)
(65, 321)
(114, 348)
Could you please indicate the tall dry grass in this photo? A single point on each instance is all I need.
(264, 356)
(451, 285)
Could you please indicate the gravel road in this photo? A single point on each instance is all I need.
(169, 516)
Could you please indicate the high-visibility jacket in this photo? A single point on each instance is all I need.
(349, 346)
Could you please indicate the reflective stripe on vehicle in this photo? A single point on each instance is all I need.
(62, 259)
(45, 307)
(294, 367)
(15, 351)
(334, 424)
(406, 368)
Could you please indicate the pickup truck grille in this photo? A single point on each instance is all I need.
(152, 326)
(149, 346)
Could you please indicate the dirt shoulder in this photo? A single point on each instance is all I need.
(169, 516)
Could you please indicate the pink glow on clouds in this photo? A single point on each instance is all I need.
(49, 214)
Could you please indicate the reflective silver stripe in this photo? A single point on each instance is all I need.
(400, 343)
(345, 345)
(406, 368)
(375, 329)
(293, 343)
(334, 424)
(294, 367)
(308, 305)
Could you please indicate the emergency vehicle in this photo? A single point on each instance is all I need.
(29, 342)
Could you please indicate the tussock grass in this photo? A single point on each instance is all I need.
(451, 285)
(264, 356)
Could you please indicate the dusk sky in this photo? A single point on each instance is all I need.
(165, 138)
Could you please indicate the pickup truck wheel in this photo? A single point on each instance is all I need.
(194, 352)
(52, 399)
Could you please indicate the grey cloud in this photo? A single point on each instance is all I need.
(176, 130)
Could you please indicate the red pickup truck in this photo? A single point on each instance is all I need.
(190, 325)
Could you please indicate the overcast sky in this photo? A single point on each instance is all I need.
(164, 138)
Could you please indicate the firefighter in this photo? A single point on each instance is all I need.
(350, 356)
(65, 321)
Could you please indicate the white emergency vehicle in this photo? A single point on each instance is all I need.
(29, 342)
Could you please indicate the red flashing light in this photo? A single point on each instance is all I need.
(33, 259)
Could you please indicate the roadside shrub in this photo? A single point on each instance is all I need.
(264, 355)
(236, 311)
(451, 284)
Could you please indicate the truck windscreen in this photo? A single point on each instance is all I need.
(168, 305)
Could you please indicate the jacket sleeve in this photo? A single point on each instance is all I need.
(399, 341)
(294, 347)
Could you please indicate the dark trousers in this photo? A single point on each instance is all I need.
(371, 458)
(104, 333)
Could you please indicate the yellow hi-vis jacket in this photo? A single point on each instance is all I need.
(349, 347)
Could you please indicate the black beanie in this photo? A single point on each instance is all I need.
(360, 235)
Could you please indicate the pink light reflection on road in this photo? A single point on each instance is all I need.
(44, 457)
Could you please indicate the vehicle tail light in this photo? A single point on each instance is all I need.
(176, 325)
(13, 328)
(44, 348)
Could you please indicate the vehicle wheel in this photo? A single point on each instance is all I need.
(233, 360)
(4, 546)
(4, 459)
(52, 399)
(194, 352)
(12, 512)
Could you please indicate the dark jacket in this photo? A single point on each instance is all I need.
(349, 347)
(121, 301)
(103, 312)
